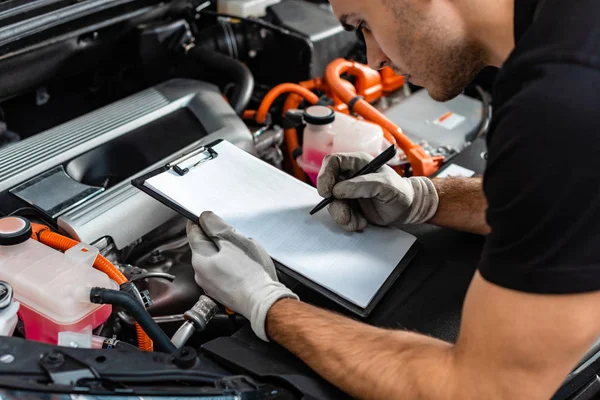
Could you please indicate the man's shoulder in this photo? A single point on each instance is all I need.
(560, 32)
(552, 105)
(561, 46)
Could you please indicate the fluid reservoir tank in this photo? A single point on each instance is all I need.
(329, 132)
(53, 288)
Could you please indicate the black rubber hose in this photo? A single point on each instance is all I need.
(138, 312)
(238, 71)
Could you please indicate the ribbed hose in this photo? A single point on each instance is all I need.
(144, 341)
(236, 70)
(59, 242)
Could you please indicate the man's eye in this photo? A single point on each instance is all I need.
(363, 27)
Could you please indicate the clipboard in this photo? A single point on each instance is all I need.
(190, 167)
(206, 153)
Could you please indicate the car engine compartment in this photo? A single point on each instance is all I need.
(96, 93)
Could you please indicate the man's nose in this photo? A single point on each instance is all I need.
(376, 58)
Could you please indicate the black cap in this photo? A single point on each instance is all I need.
(14, 230)
(319, 115)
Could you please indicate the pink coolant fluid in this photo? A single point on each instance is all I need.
(53, 288)
(318, 139)
(314, 157)
(328, 132)
(311, 162)
(42, 329)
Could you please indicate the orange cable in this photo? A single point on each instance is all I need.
(265, 105)
(249, 114)
(421, 162)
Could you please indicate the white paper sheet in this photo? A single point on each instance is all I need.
(272, 207)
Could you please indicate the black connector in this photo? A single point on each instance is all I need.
(297, 152)
(110, 344)
(353, 102)
(138, 312)
(325, 101)
(293, 119)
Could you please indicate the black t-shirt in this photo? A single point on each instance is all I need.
(542, 180)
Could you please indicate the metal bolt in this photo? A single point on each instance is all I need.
(42, 96)
(53, 359)
(156, 257)
(7, 358)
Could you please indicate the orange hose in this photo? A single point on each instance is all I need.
(389, 137)
(291, 136)
(249, 114)
(291, 140)
(313, 84)
(340, 105)
(390, 80)
(44, 235)
(265, 105)
(421, 162)
(144, 341)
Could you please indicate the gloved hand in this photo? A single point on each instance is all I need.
(234, 270)
(381, 198)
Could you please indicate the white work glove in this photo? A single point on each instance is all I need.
(381, 198)
(234, 270)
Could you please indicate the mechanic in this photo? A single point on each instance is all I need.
(533, 306)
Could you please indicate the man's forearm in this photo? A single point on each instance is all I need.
(462, 205)
(364, 361)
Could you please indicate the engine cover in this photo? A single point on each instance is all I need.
(118, 143)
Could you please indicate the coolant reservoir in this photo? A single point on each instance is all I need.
(53, 288)
(356, 135)
(329, 132)
(318, 134)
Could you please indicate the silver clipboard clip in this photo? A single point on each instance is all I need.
(203, 153)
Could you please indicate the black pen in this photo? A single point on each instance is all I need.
(372, 166)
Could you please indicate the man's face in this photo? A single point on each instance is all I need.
(423, 39)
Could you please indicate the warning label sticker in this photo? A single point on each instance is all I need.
(450, 120)
(456, 171)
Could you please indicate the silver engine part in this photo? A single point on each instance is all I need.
(196, 320)
(438, 127)
(122, 212)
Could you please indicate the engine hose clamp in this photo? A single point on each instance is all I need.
(297, 152)
(353, 102)
(109, 343)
